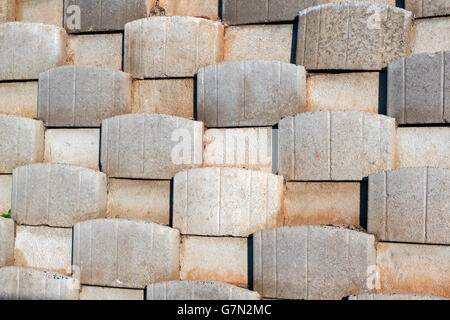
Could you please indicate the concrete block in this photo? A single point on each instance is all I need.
(335, 145)
(394, 296)
(150, 146)
(312, 262)
(161, 47)
(198, 290)
(352, 36)
(27, 49)
(19, 98)
(226, 201)
(169, 96)
(57, 195)
(214, 258)
(423, 147)
(139, 199)
(125, 253)
(103, 293)
(263, 42)
(21, 142)
(6, 242)
(431, 35)
(428, 8)
(410, 205)
(343, 91)
(412, 268)
(22, 283)
(101, 50)
(249, 93)
(5, 193)
(7, 10)
(41, 11)
(44, 247)
(208, 9)
(244, 147)
(82, 96)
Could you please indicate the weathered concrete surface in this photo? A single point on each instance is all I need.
(161, 47)
(79, 147)
(169, 96)
(101, 293)
(214, 258)
(264, 42)
(322, 203)
(343, 91)
(421, 269)
(44, 247)
(6, 242)
(27, 49)
(41, 11)
(5, 193)
(82, 96)
(244, 147)
(22, 283)
(410, 205)
(249, 93)
(423, 147)
(125, 253)
(21, 142)
(57, 195)
(19, 98)
(431, 35)
(419, 89)
(101, 50)
(335, 145)
(352, 36)
(139, 199)
(7, 10)
(110, 15)
(198, 290)
(226, 201)
(394, 296)
(428, 8)
(150, 146)
(311, 262)
(208, 9)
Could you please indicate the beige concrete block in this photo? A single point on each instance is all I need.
(5, 193)
(103, 293)
(7, 10)
(208, 9)
(431, 35)
(43, 11)
(6, 242)
(322, 203)
(79, 147)
(214, 258)
(265, 42)
(139, 199)
(19, 98)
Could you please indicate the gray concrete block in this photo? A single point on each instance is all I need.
(57, 195)
(6, 242)
(394, 296)
(428, 8)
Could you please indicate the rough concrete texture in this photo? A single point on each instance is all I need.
(82, 96)
(101, 50)
(311, 262)
(352, 36)
(264, 42)
(244, 147)
(150, 146)
(226, 201)
(414, 268)
(6, 242)
(44, 247)
(431, 35)
(169, 96)
(322, 203)
(23, 283)
(208, 9)
(198, 290)
(125, 253)
(343, 91)
(335, 145)
(21, 142)
(214, 258)
(249, 93)
(394, 296)
(78, 147)
(410, 205)
(42, 11)
(161, 47)
(423, 147)
(7, 10)
(27, 49)
(419, 89)
(139, 199)
(5, 193)
(102, 293)
(57, 195)
(428, 8)
(19, 98)
(101, 15)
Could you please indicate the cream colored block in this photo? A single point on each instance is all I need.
(19, 98)
(43, 11)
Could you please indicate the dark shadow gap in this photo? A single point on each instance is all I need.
(250, 262)
(171, 204)
(294, 41)
(400, 4)
(382, 92)
(195, 111)
(363, 203)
